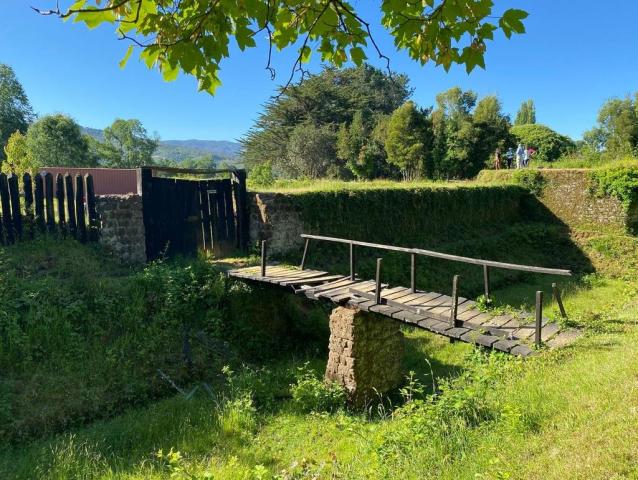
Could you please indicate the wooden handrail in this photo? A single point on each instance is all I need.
(445, 256)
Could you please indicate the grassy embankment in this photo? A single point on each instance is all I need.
(568, 414)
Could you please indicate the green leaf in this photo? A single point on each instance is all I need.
(306, 51)
(124, 60)
(357, 55)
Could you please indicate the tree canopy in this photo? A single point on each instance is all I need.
(127, 145)
(195, 36)
(56, 140)
(550, 145)
(331, 98)
(617, 129)
(526, 114)
(15, 109)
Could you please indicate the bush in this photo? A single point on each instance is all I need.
(550, 145)
(310, 394)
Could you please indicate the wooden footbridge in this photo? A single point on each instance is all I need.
(453, 316)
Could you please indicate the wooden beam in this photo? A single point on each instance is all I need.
(445, 256)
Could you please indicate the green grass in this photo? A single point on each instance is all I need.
(327, 185)
(566, 414)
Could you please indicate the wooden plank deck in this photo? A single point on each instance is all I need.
(510, 333)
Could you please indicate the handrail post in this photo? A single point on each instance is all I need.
(559, 300)
(455, 304)
(352, 267)
(455, 301)
(486, 281)
(263, 258)
(377, 294)
(305, 254)
(413, 272)
(539, 319)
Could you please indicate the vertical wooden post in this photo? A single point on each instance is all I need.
(413, 272)
(39, 201)
(59, 197)
(377, 292)
(352, 261)
(27, 184)
(242, 208)
(559, 300)
(263, 258)
(80, 216)
(90, 203)
(6, 208)
(48, 194)
(305, 254)
(455, 301)
(16, 211)
(145, 189)
(486, 282)
(539, 319)
(70, 204)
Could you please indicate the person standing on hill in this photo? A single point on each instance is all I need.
(509, 156)
(525, 157)
(519, 155)
(497, 159)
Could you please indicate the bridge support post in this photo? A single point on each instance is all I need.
(365, 354)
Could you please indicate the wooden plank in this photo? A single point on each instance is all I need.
(48, 195)
(563, 339)
(70, 204)
(80, 215)
(5, 202)
(39, 202)
(16, 212)
(322, 278)
(423, 299)
(292, 277)
(330, 286)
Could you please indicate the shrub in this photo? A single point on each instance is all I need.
(550, 145)
(310, 394)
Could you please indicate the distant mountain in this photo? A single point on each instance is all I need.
(221, 151)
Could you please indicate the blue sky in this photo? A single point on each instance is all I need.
(575, 55)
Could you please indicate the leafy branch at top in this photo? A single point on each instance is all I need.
(194, 36)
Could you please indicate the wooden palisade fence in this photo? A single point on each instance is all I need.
(64, 205)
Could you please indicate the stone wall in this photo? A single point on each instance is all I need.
(122, 226)
(365, 353)
(420, 217)
(566, 194)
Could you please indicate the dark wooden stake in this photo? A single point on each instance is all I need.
(455, 301)
(80, 215)
(59, 196)
(16, 212)
(352, 260)
(92, 208)
(305, 254)
(377, 293)
(48, 194)
(559, 300)
(413, 272)
(539, 318)
(263, 258)
(70, 204)
(5, 200)
(486, 281)
(39, 201)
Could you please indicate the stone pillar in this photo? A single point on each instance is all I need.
(365, 354)
(122, 226)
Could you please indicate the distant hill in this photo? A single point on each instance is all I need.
(221, 151)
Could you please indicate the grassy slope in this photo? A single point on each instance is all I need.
(566, 415)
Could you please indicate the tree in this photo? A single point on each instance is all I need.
(127, 145)
(18, 157)
(526, 114)
(617, 129)
(15, 110)
(407, 141)
(194, 36)
(331, 98)
(549, 145)
(311, 151)
(56, 140)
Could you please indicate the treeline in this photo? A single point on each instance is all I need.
(359, 123)
(29, 143)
